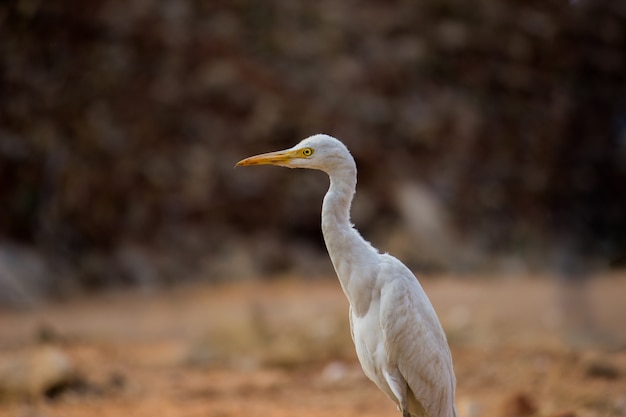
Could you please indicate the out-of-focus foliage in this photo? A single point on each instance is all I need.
(120, 122)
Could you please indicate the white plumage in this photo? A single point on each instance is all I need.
(398, 338)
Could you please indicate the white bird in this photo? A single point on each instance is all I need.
(398, 338)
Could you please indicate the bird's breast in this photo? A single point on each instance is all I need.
(370, 346)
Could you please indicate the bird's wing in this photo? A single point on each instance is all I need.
(351, 324)
(415, 343)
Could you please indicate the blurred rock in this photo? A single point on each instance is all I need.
(519, 405)
(47, 333)
(468, 407)
(602, 369)
(137, 266)
(34, 372)
(24, 276)
(429, 238)
(334, 371)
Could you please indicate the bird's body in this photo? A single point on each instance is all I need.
(397, 335)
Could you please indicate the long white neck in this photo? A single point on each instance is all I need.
(351, 255)
(336, 206)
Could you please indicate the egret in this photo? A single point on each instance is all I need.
(398, 338)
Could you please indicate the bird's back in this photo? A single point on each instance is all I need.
(414, 343)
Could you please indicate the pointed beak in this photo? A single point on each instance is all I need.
(271, 158)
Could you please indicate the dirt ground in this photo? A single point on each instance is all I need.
(283, 349)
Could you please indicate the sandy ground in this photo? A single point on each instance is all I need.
(283, 349)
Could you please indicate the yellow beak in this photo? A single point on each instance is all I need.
(271, 158)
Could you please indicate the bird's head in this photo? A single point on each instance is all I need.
(320, 151)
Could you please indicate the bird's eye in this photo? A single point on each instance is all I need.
(307, 152)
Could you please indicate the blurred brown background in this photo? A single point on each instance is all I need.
(490, 138)
(496, 131)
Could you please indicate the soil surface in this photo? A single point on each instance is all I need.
(283, 349)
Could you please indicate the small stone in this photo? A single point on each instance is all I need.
(469, 407)
(519, 405)
(334, 371)
(604, 370)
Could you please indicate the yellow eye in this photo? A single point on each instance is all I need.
(307, 152)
